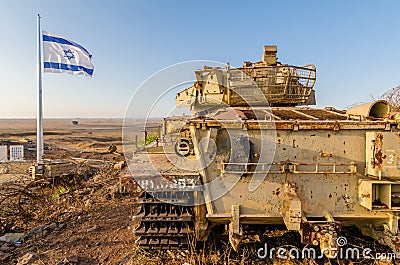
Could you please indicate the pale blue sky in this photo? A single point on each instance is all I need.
(354, 44)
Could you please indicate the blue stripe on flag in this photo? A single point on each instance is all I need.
(63, 41)
(70, 67)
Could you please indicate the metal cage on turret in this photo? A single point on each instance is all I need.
(281, 85)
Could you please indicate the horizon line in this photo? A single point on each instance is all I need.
(76, 118)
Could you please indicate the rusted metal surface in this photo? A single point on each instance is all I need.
(323, 153)
(292, 211)
(166, 217)
(53, 170)
(128, 184)
(326, 167)
(255, 84)
(324, 114)
(289, 114)
(383, 154)
(324, 158)
(323, 233)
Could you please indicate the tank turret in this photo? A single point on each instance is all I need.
(263, 83)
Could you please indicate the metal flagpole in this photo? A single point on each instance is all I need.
(39, 118)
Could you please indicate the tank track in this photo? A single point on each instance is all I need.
(165, 223)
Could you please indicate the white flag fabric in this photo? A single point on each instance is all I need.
(64, 56)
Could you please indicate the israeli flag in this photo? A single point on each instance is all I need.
(64, 56)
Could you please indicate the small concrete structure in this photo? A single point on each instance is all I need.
(10, 152)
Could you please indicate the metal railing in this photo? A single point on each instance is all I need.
(289, 167)
(283, 84)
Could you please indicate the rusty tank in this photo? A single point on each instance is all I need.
(253, 152)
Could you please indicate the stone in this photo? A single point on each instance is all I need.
(11, 237)
(36, 230)
(92, 229)
(3, 170)
(120, 165)
(4, 256)
(45, 233)
(27, 258)
(88, 203)
(6, 247)
(51, 226)
(73, 259)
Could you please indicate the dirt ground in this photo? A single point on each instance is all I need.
(97, 230)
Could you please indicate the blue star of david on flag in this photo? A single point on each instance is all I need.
(69, 54)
